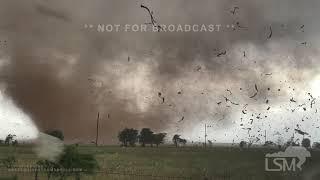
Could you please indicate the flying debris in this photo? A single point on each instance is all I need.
(234, 10)
(256, 93)
(228, 100)
(302, 28)
(222, 53)
(301, 132)
(292, 100)
(312, 100)
(181, 119)
(198, 68)
(229, 91)
(270, 33)
(239, 26)
(46, 11)
(244, 111)
(153, 21)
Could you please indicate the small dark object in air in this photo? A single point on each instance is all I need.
(222, 53)
(234, 10)
(271, 32)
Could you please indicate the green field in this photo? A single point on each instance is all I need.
(169, 163)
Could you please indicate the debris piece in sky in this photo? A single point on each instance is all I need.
(256, 93)
(228, 100)
(234, 10)
(239, 26)
(222, 53)
(302, 28)
(270, 33)
(256, 87)
(153, 21)
(198, 68)
(292, 100)
(52, 13)
(181, 119)
(229, 91)
(301, 132)
(312, 99)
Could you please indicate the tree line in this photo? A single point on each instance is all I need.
(129, 137)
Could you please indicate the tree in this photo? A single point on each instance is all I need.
(269, 144)
(242, 144)
(73, 159)
(133, 136)
(175, 139)
(183, 141)
(15, 142)
(56, 133)
(316, 145)
(128, 136)
(9, 139)
(306, 143)
(146, 137)
(159, 138)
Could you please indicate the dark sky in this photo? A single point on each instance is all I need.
(62, 74)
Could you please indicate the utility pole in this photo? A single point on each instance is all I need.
(205, 135)
(97, 130)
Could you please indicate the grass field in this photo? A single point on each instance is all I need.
(170, 163)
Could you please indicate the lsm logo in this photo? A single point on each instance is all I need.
(289, 160)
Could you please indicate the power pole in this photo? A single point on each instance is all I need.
(205, 135)
(97, 130)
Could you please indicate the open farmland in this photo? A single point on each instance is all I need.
(166, 163)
